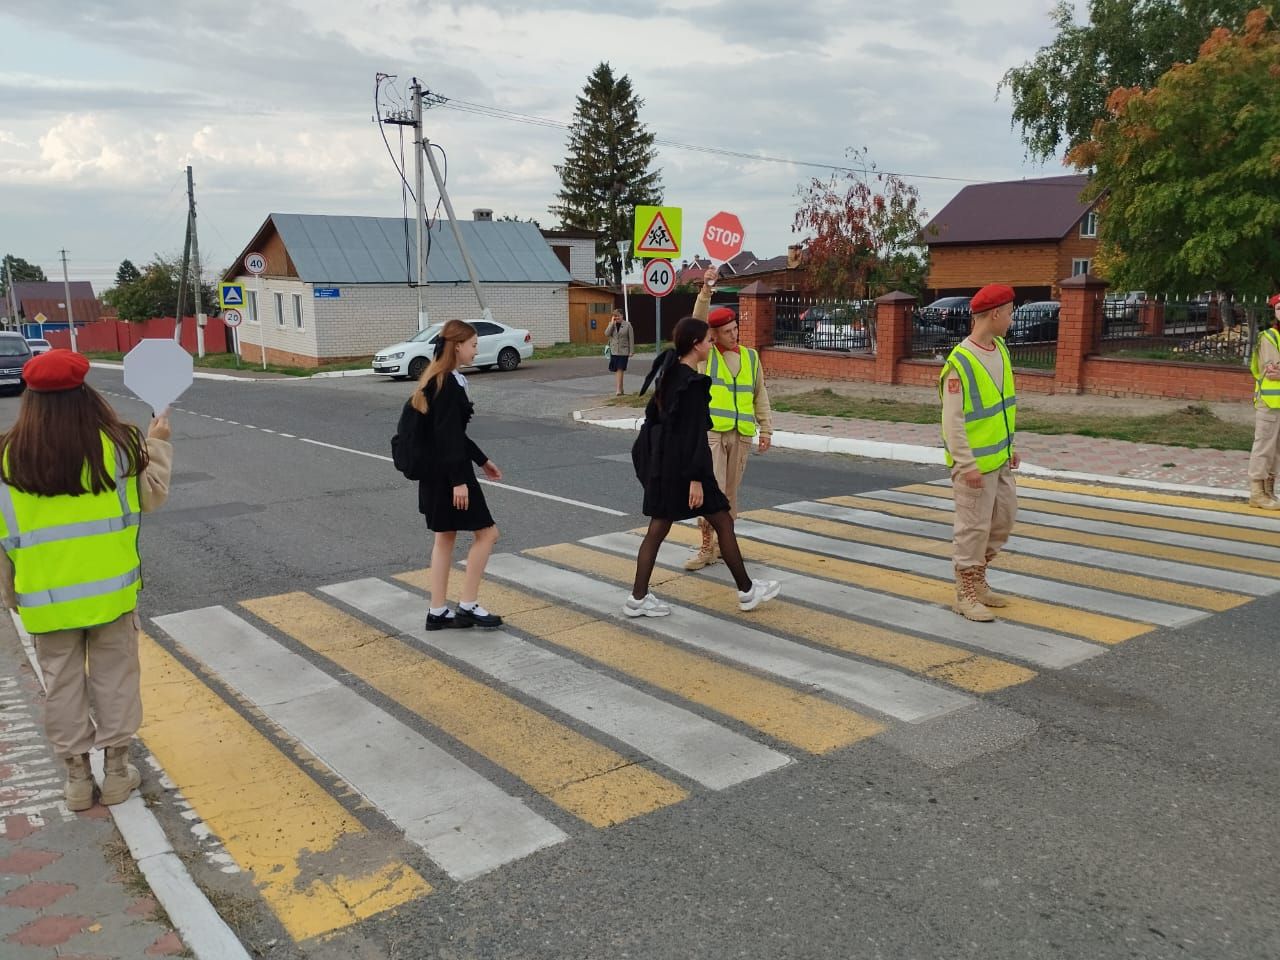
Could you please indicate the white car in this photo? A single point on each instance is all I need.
(500, 346)
(38, 346)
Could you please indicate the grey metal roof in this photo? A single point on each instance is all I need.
(346, 250)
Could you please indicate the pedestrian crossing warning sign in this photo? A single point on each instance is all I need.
(230, 295)
(657, 232)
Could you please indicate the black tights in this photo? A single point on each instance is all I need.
(720, 522)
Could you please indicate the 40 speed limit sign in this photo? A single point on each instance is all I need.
(659, 277)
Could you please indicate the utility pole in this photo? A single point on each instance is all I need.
(201, 319)
(66, 289)
(10, 295)
(419, 145)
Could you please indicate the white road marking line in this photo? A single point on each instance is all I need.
(466, 825)
(884, 690)
(691, 745)
(1040, 647)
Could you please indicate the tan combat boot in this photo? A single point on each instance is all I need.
(707, 553)
(122, 777)
(78, 791)
(967, 603)
(1258, 496)
(1269, 486)
(986, 596)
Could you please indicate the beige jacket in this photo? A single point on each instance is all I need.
(153, 491)
(622, 338)
(760, 395)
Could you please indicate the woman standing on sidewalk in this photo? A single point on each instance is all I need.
(449, 495)
(622, 343)
(74, 483)
(673, 460)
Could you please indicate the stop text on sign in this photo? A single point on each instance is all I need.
(724, 235)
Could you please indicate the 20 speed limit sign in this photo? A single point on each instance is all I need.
(232, 318)
(659, 277)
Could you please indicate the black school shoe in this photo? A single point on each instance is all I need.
(446, 621)
(470, 618)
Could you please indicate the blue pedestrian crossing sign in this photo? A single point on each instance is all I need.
(230, 295)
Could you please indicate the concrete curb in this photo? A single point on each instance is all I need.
(107, 365)
(914, 453)
(204, 932)
(340, 373)
(227, 378)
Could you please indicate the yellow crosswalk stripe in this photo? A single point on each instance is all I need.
(1119, 515)
(1165, 551)
(583, 777)
(247, 791)
(1144, 496)
(1077, 623)
(790, 716)
(1178, 593)
(939, 661)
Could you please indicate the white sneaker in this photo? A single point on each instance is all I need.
(650, 606)
(761, 590)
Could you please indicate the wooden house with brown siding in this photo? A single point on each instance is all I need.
(1029, 234)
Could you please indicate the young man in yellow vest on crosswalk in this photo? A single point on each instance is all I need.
(739, 409)
(979, 410)
(1264, 460)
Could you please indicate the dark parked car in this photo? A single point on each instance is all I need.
(14, 354)
(1035, 322)
(949, 312)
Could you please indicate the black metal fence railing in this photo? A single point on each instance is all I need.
(1206, 329)
(846, 326)
(932, 337)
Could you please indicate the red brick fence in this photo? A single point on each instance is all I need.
(121, 336)
(1079, 367)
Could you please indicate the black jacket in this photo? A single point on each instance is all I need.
(448, 452)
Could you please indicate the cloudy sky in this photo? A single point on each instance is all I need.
(102, 105)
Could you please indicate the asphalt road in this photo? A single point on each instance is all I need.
(1123, 807)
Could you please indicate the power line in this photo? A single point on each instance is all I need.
(500, 113)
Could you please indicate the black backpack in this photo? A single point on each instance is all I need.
(408, 446)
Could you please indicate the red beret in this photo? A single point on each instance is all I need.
(991, 296)
(56, 370)
(1275, 299)
(721, 317)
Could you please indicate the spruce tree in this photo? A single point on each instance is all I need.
(609, 167)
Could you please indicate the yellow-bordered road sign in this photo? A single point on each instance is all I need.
(657, 232)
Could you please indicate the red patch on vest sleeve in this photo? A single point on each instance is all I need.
(953, 386)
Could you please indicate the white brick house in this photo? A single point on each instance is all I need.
(335, 287)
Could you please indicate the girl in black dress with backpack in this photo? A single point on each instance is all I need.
(673, 460)
(449, 495)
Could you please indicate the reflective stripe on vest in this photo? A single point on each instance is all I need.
(990, 414)
(1263, 388)
(75, 558)
(733, 399)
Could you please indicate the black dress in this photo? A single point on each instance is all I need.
(672, 448)
(447, 459)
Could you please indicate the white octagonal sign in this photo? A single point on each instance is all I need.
(158, 372)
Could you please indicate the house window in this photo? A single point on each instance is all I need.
(280, 309)
(297, 310)
(1080, 266)
(599, 307)
(1089, 225)
(253, 306)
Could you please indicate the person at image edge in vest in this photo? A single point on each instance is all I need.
(979, 409)
(448, 495)
(74, 482)
(673, 462)
(622, 344)
(1265, 457)
(739, 409)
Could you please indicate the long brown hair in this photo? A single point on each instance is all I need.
(56, 444)
(455, 333)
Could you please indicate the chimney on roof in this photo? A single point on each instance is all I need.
(482, 215)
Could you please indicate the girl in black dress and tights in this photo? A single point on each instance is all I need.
(673, 460)
(449, 495)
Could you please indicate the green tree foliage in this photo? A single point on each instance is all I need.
(1063, 89)
(1191, 170)
(863, 232)
(127, 273)
(21, 270)
(155, 292)
(608, 169)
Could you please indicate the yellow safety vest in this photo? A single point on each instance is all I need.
(1268, 390)
(990, 415)
(733, 399)
(75, 558)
